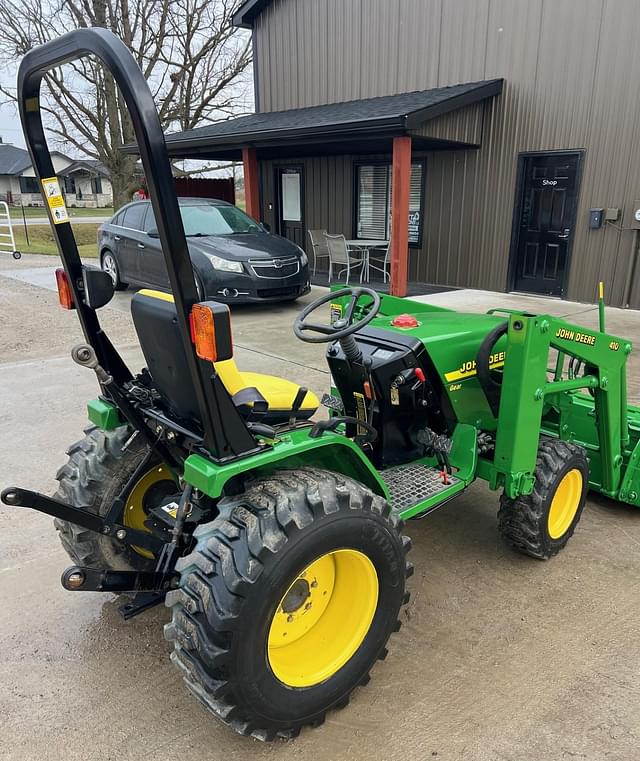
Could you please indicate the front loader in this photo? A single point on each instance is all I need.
(273, 534)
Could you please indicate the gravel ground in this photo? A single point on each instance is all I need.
(500, 657)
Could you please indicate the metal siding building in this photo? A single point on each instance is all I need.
(569, 68)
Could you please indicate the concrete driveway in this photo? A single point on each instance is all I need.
(500, 657)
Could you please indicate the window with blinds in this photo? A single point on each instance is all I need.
(373, 202)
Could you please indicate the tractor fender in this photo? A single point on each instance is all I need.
(332, 451)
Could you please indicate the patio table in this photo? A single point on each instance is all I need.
(364, 245)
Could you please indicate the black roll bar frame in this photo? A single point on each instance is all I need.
(225, 434)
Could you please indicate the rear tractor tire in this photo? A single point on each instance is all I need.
(95, 474)
(541, 523)
(287, 600)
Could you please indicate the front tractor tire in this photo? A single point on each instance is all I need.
(287, 600)
(97, 471)
(540, 524)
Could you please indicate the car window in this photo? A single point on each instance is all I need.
(149, 220)
(134, 215)
(207, 219)
(117, 218)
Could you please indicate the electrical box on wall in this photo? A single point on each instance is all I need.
(595, 218)
(635, 215)
(612, 215)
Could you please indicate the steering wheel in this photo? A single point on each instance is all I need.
(342, 327)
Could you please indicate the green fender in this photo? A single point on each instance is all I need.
(294, 450)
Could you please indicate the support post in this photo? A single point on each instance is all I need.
(400, 190)
(251, 183)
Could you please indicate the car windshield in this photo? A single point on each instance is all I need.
(208, 219)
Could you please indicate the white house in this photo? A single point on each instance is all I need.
(85, 183)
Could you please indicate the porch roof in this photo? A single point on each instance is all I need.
(356, 126)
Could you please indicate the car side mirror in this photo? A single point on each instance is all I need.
(153, 232)
(265, 226)
(98, 287)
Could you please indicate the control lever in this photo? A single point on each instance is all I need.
(322, 426)
(297, 403)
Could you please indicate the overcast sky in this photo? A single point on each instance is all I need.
(10, 130)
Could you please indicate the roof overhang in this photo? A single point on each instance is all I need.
(248, 12)
(363, 126)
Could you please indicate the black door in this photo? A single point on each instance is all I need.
(545, 219)
(131, 242)
(153, 267)
(290, 206)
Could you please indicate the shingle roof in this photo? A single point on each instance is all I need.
(392, 112)
(91, 165)
(13, 160)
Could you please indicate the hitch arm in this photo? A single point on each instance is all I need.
(16, 497)
(80, 579)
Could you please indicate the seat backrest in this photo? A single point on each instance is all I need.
(337, 245)
(318, 243)
(154, 317)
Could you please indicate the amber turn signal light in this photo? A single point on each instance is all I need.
(203, 332)
(64, 290)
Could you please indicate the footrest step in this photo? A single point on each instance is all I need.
(410, 484)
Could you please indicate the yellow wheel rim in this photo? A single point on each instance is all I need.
(135, 511)
(323, 618)
(565, 503)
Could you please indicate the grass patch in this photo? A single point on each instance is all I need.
(39, 211)
(41, 239)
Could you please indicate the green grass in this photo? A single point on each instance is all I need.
(39, 211)
(41, 239)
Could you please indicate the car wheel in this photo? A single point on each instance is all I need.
(110, 266)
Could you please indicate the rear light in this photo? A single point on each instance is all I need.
(203, 332)
(210, 325)
(64, 290)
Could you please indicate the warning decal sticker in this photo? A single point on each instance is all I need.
(55, 201)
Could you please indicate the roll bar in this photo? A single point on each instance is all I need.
(224, 431)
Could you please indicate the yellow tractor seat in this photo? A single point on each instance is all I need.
(155, 321)
(278, 392)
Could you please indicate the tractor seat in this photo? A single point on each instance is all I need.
(278, 392)
(154, 317)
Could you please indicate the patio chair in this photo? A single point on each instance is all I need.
(318, 246)
(340, 254)
(386, 248)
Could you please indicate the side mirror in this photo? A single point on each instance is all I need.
(98, 287)
(265, 226)
(153, 232)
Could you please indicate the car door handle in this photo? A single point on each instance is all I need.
(141, 245)
(566, 233)
(117, 237)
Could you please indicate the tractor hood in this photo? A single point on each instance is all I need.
(452, 340)
(244, 246)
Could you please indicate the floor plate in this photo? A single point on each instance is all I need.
(410, 484)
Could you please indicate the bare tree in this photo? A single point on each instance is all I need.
(195, 61)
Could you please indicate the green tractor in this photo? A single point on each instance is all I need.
(274, 538)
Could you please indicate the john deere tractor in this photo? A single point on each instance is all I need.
(274, 534)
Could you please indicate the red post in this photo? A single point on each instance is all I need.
(400, 190)
(251, 183)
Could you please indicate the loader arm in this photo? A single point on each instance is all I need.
(527, 392)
